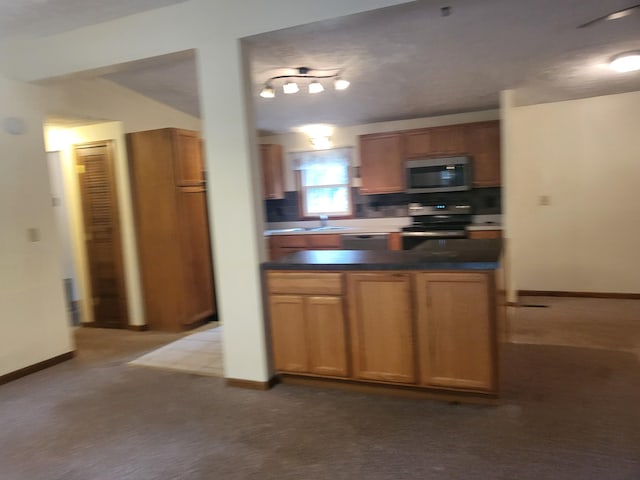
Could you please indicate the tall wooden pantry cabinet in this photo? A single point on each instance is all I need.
(169, 196)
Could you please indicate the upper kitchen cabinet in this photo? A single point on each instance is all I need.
(188, 161)
(448, 140)
(272, 174)
(483, 141)
(417, 143)
(381, 163)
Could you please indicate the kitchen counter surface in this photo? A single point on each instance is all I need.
(333, 230)
(453, 254)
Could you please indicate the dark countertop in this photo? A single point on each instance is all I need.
(454, 254)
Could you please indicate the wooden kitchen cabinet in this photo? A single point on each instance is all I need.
(478, 234)
(271, 158)
(381, 326)
(187, 155)
(456, 330)
(308, 330)
(169, 198)
(483, 141)
(417, 143)
(449, 140)
(280, 245)
(381, 163)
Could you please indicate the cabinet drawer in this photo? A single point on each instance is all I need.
(324, 241)
(305, 283)
(475, 234)
(291, 241)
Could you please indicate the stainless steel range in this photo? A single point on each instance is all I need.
(438, 221)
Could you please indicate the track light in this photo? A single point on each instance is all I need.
(267, 92)
(315, 86)
(341, 83)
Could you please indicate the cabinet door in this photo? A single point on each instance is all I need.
(456, 330)
(381, 163)
(289, 333)
(326, 336)
(477, 234)
(448, 140)
(196, 248)
(483, 140)
(188, 164)
(418, 143)
(272, 174)
(381, 319)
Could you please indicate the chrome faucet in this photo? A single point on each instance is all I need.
(324, 219)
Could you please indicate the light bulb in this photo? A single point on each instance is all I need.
(290, 87)
(267, 92)
(626, 62)
(341, 83)
(315, 87)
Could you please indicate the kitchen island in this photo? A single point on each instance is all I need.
(423, 320)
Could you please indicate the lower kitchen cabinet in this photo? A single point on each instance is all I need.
(381, 321)
(432, 330)
(478, 234)
(308, 330)
(455, 329)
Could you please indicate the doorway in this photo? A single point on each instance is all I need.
(96, 178)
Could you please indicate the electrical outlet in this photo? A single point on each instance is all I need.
(544, 200)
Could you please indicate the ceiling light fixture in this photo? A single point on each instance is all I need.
(290, 87)
(267, 91)
(314, 86)
(626, 62)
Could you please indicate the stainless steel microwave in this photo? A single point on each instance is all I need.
(430, 175)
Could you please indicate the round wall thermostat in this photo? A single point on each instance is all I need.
(14, 125)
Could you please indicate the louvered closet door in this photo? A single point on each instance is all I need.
(102, 234)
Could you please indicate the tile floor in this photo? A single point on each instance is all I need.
(199, 353)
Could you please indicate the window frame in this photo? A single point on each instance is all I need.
(302, 197)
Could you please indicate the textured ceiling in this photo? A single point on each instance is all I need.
(45, 17)
(410, 61)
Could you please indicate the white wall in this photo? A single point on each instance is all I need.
(227, 126)
(63, 140)
(348, 136)
(585, 156)
(101, 100)
(33, 321)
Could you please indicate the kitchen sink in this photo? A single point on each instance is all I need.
(287, 230)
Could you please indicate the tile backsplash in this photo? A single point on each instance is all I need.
(483, 200)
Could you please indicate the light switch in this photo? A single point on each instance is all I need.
(33, 234)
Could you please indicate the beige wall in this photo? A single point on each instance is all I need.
(584, 155)
(33, 321)
(348, 136)
(101, 100)
(227, 110)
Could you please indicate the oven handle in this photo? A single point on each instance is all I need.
(441, 233)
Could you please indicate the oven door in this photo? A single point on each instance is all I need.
(411, 240)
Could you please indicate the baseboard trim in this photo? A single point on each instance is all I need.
(404, 391)
(251, 384)
(556, 293)
(138, 328)
(36, 367)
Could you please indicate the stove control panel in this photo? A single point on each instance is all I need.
(416, 209)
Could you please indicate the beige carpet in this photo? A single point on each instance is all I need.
(199, 353)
